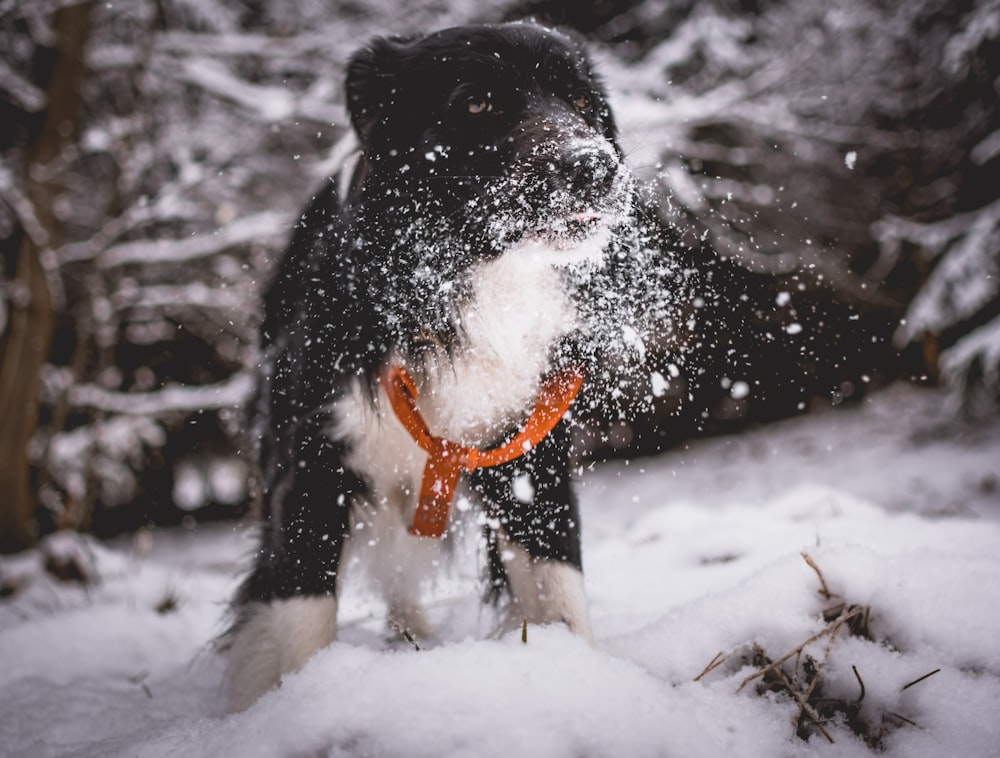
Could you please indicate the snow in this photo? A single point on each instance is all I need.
(22, 92)
(981, 346)
(264, 226)
(171, 398)
(689, 555)
(270, 104)
(111, 450)
(965, 281)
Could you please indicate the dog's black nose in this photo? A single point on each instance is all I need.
(591, 172)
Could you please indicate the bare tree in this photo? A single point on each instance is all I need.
(24, 344)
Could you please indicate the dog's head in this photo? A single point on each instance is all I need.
(509, 119)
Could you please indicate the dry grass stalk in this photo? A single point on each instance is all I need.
(802, 699)
(402, 631)
(169, 603)
(831, 629)
(823, 589)
(919, 680)
(713, 664)
(800, 676)
(861, 683)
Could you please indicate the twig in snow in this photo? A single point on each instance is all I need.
(860, 683)
(169, 603)
(140, 679)
(823, 589)
(832, 628)
(803, 703)
(918, 681)
(901, 718)
(717, 661)
(800, 676)
(402, 630)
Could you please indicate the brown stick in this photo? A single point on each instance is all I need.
(804, 706)
(823, 589)
(401, 629)
(901, 718)
(918, 681)
(831, 628)
(717, 661)
(860, 682)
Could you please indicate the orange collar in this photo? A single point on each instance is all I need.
(447, 459)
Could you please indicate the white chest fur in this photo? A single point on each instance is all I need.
(517, 310)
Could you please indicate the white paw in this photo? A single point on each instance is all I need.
(274, 639)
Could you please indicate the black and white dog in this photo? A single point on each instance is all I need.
(489, 178)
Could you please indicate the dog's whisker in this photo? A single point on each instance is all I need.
(461, 177)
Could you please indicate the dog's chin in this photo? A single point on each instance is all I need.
(579, 238)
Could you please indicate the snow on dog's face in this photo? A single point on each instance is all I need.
(506, 124)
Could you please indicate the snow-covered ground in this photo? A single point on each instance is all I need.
(692, 557)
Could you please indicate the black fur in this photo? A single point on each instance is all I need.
(363, 274)
(345, 293)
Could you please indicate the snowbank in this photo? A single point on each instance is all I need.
(691, 558)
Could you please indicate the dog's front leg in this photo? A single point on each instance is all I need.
(286, 609)
(275, 638)
(543, 590)
(534, 536)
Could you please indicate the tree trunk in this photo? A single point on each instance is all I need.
(25, 345)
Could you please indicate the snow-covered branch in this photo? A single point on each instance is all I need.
(196, 294)
(110, 452)
(966, 279)
(231, 393)
(297, 48)
(267, 227)
(19, 90)
(24, 210)
(269, 103)
(975, 361)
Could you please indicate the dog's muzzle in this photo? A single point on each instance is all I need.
(590, 172)
(570, 181)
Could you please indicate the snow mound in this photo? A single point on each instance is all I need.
(696, 581)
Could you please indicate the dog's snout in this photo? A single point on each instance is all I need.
(591, 171)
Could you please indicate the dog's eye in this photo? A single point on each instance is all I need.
(581, 101)
(478, 105)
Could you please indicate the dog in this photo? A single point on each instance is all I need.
(428, 312)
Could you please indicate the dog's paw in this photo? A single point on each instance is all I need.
(274, 639)
(545, 591)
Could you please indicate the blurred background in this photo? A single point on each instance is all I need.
(842, 158)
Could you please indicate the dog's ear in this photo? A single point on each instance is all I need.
(371, 76)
